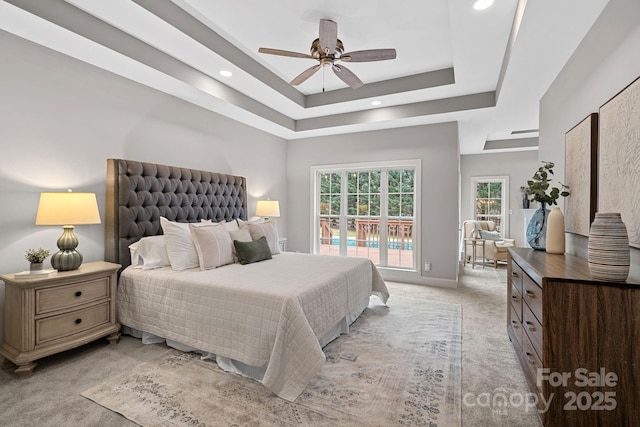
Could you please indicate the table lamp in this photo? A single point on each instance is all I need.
(66, 208)
(268, 209)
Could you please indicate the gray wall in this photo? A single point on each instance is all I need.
(519, 167)
(606, 61)
(436, 145)
(60, 119)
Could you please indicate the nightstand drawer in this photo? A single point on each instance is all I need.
(55, 327)
(61, 297)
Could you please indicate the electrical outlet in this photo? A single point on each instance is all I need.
(427, 266)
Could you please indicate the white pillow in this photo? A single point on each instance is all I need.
(180, 248)
(231, 225)
(213, 245)
(149, 252)
(241, 235)
(267, 229)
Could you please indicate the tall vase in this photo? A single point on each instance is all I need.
(555, 232)
(608, 248)
(537, 228)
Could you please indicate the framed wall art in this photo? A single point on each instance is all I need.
(619, 152)
(581, 162)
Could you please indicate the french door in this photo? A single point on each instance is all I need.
(490, 201)
(367, 210)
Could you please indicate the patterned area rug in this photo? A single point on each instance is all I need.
(398, 366)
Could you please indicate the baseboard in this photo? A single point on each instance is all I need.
(415, 279)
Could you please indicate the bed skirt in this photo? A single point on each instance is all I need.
(230, 365)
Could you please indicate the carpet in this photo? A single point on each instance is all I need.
(400, 365)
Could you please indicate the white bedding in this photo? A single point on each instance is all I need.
(270, 314)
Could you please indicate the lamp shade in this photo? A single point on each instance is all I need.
(67, 208)
(268, 208)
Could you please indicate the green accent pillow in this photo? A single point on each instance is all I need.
(249, 252)
(490, 235)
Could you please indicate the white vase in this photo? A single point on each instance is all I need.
(608, 250)
(555, 232)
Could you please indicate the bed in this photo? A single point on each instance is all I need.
(267, 320)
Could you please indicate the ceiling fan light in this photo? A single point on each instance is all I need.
(376, 103)
(482, 4)
(226, 73)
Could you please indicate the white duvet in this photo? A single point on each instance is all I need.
(268, 314)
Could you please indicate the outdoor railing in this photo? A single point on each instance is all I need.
(399, 233)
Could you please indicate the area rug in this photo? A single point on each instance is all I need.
(398, 366)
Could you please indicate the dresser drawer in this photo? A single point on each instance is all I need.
(54, 327)
(516, 302)
(532, 296)
(516, 330)
(62, 297)
(516, 277)
(533, 361)
(533, 329)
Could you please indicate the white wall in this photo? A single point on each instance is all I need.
(606, 61)
(519, 167)
(437, 147)
(60, 119)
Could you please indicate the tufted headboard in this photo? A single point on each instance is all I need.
(139, 193)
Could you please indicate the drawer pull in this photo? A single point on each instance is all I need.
(79, 293)
(530, 326)
(78, 321)
(529, 294)
(515, 323)
(514, 297)
(514, 274)
(529, 357)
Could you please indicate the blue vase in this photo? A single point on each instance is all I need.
(537, 228)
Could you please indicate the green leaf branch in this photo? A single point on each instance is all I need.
(539, 185)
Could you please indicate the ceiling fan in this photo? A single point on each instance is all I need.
(327, 49)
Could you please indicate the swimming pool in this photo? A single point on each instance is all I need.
(407, 246)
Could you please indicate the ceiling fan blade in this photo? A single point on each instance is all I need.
(284, 53)
(328, 35)
(369, 55)
(347, 76)
(302, 77)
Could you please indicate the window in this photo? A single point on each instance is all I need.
(490, 200)
(367, 210)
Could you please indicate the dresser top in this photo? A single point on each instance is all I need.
(541, 266)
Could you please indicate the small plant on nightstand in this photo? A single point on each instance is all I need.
(36, 257)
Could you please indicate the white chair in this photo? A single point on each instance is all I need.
(495, 247)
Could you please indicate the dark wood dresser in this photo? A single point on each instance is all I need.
(577, 339)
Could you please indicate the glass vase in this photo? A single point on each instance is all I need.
(537, 228)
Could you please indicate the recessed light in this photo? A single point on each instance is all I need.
(376, 102)
(226, 73)
(482, 4)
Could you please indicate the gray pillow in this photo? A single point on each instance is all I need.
(490, 235)
(249, 252)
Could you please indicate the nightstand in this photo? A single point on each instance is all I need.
(47, 315)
